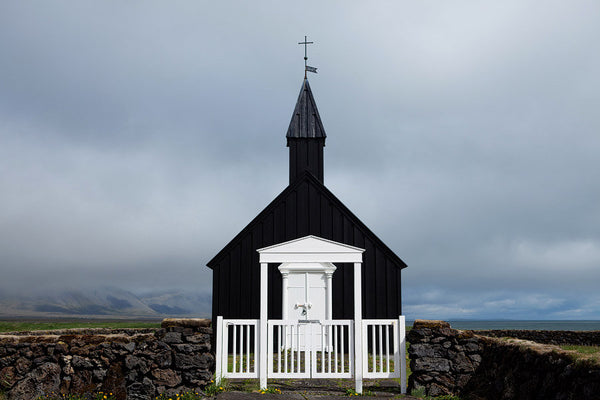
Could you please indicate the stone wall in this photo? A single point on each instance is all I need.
(130, 363)
(582, 338)
(448, 361)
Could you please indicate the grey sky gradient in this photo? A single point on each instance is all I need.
(465, 134)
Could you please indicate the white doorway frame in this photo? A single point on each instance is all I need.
(310, 249)
(252, 341)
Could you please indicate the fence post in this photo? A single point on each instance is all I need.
(358, 328)
(262, 347)
(219, 352)
(402, 328)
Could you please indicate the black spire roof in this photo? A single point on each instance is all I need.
(306, 122)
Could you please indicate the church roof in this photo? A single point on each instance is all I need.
(327, 218)
(306, 122)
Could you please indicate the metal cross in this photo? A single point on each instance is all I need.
(305, 43)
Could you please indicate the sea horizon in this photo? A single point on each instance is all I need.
(546, 325)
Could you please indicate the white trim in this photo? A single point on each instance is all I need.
(332, 244)
(219, 344)
(262, 347)
(329, 299)
(284, 293)
(310, 257)
(310, 249)
(307, 267)
(402, 344)
(358, 340)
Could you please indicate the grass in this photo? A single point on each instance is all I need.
(213, 389)
(589, 354)
(19, 326)
(84, 396)
(182, 396)
(582, 349)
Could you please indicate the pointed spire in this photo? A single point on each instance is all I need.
(306, 137)
(306, 122)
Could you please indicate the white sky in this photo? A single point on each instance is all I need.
(137, 138)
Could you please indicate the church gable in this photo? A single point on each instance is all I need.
(305, 208)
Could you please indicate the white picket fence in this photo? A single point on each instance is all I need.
(304, 350)
(384, 354)
(241, 360)
(313, 349)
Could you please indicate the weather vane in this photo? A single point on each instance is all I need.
(306, 66)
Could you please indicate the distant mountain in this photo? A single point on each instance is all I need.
(104, 302)
(180, 302)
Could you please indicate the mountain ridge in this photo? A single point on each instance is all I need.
(105, 302)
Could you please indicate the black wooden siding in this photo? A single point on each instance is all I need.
(306, 155)
(305, 208)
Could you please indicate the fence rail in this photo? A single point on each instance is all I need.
(237, 340)
(335, 357)
(384, 354)
(323, 349)
(288, 345)
(315, 349)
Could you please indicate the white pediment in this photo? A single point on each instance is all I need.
(310, 249)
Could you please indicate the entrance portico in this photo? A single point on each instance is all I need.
(311, 258)
(308, 342)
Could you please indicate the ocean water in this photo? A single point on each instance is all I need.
(530, 325)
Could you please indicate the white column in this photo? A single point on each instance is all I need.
(329, 309)
(402, 327)
(219, 359)
(358, 345)
(284, 295)
(262, 348)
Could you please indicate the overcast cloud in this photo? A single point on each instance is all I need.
(137, 138)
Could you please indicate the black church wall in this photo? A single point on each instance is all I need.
(306, 154)
(306, 210)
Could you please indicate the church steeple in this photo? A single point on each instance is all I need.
(306, 136)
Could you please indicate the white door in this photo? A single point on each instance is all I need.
(307, 296)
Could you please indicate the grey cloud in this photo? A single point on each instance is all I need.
(137, 139)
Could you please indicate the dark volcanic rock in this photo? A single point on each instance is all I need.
(166, 377)
(131, 364)
(446, 361)
(144, 390)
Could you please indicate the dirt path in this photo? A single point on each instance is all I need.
(313, 389)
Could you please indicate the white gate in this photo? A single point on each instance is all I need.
(241, 359)
(311, 349)
(384, 351)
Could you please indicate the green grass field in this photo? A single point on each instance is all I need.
(582, 349)
(23, 325)
(584, 352)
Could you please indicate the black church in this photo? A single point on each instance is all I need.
(305, 207)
